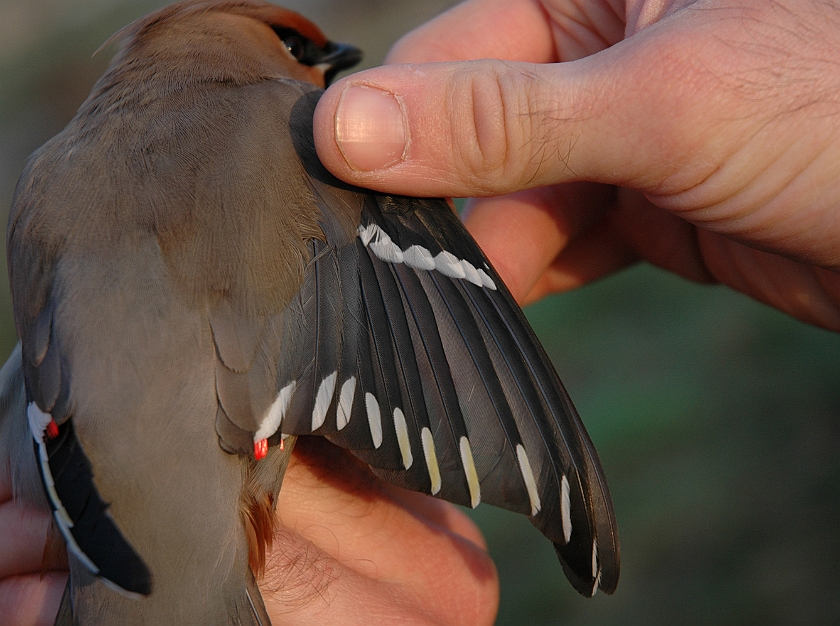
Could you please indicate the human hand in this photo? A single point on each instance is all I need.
(700, 136)
(351, 549)
(348, 549)
(26, 597)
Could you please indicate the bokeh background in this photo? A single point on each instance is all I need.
(717, 419)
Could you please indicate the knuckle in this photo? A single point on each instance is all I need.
(488, 127)
(506, 127)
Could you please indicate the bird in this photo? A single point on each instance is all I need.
(193, 291)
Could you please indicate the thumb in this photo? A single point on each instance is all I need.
(489, 127)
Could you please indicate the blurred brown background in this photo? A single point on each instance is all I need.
(717, 419)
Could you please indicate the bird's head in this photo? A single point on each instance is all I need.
(235, 42)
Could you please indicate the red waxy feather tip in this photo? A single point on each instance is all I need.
(260, 449)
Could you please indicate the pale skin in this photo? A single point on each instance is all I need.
(702, 137)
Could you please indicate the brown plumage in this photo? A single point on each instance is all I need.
(191, 288)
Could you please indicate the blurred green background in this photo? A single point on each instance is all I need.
(717, 419)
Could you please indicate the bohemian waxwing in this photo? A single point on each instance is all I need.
(191, 287)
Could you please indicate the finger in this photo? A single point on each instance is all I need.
(597, 252)
(633, 229)
(31, 600)
(661, 113)
(523, 233)
(325, 482)
(438, 513)
(24, 533)
(315, 588)
(555, 239)
(660, 237)
(624, 116)
(636, 229)
(345, 543)
(479, 29)
(423, 581)
(811, 294)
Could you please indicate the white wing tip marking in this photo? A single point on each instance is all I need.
(565, 508)
(486, 280)
(470, 273)
(366, 233)
(387, 250)
(38, 421)
(449, 265)
(323, 399)
(470, 472)
(402, 438)
(374, 419)
(431, 459)
(381, 243)
(528, 476)
(418, 257)
(345, 403)
(274, 416)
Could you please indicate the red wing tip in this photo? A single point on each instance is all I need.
(260, 449)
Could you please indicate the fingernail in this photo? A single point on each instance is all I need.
(370, 128)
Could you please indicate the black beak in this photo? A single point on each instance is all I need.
(338, 57)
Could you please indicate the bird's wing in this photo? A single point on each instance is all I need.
(405, 347)
(79, 512)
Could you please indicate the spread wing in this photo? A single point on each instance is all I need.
(404, 346)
